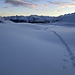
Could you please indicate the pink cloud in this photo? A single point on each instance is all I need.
(63, 4)
(21, 3)
(68, 5)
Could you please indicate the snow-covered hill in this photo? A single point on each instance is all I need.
(36, 49)
(69, 18)
(2, 20)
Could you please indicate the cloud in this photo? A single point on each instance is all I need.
(73, 0)
(5, 7)
(60, 10)
(57, 11)
(27, 3)
(36, 3)
(63, 4)
(21, 3)
(43, 5)
(56, 3)
(71, 5)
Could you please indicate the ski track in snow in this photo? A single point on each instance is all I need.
(72, 57)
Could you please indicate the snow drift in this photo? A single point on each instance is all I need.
(36, 49)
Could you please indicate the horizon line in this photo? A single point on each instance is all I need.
(36, 15)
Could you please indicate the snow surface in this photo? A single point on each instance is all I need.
(37, 49)
(2, 20)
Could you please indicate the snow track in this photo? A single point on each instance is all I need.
(36, 49)
(72, 57)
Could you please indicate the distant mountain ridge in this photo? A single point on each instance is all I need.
(41, 19)
(30, 19)
(68, 18)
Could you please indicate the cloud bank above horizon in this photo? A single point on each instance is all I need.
(39, 7)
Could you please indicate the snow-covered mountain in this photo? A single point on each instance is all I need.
(69, 18)
(30, 19)
(1, 20)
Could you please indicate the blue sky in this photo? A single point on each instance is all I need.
(36, 7)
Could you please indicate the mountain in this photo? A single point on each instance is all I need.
(29, 19)
(1, 20)
(69, 18)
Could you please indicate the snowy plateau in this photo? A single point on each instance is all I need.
(37, 49)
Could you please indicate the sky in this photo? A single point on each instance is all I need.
(36, 7)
